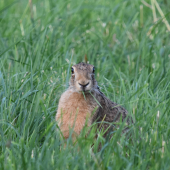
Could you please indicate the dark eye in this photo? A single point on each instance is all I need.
(93, 69)
(72, 70)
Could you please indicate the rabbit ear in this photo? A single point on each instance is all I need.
(85, 58)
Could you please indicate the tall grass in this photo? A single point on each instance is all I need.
(129, 45)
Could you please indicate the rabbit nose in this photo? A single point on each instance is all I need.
(84, 85)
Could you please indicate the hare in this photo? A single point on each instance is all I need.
(83, 103)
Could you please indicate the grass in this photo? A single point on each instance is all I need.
(129, 45)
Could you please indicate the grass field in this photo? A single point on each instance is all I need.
(128, 41)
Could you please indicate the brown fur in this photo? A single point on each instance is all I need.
(74, 109)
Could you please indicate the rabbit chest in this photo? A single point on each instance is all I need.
(75, 111)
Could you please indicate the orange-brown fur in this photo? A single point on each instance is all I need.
(74, 111)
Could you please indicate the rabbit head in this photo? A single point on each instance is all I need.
(82, 78)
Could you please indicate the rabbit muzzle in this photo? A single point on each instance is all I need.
(84, 86)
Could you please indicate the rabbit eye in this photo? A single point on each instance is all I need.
(93, 69)
(72, 70)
